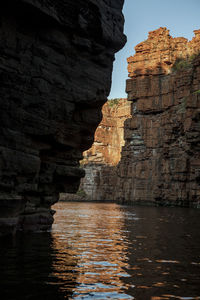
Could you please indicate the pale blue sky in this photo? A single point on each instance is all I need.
(181, 17)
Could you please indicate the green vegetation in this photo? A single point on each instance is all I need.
(197, 92)
(183, 63)
(81, 193)
(113, 102)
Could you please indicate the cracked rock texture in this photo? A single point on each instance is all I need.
(100, 160)
(160, 161)
(56, 62)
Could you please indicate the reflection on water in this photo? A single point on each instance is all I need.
(106, 251)
(96, 236)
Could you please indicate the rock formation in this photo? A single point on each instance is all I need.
(56, 61)
(160, 162)
(161, 159)
(100, 160)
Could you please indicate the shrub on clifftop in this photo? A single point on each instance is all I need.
(183, 63)
(113, 102)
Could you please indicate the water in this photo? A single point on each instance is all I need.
(106, 251)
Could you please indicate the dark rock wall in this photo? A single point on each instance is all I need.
(56, 62)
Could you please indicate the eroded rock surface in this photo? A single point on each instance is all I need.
(56, 61)
(101, 159)
(109, 135)
(161, 159)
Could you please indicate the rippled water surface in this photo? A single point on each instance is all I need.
(106, 251)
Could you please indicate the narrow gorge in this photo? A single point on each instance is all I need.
(99, 188)
(101, 160)
(160, 160)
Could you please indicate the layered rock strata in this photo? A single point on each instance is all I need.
(160, 161)
(102, 158)
(56, 61)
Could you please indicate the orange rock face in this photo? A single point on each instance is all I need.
(109, 136)
(160, 162)
(100, 160)
(160, 51)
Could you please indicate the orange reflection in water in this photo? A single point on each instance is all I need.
(94, 254)
(106, 251)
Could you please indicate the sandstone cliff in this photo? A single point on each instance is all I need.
(160, 162)
(100, 160)
(161, 159)
(56, 61)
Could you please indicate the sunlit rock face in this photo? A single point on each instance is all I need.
(56, 62)
(101, 159)
(160, 161)
(109, 135)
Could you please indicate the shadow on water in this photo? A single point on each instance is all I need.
(106, 251)
(28, 268)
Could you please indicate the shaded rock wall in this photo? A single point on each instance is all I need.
(100, 160)
(56, 62)
(161, 159)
